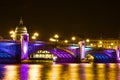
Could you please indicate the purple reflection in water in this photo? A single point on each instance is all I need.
(24, 72)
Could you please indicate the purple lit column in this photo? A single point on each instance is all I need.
(118, 52)
(82, 49)
(24, 46)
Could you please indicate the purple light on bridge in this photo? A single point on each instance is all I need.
(24, 46)
(118, 52)
(82, 49)
(25, 49)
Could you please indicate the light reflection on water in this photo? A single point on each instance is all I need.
(82, 71)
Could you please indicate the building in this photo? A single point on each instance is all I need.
(20, 30)
(104, 43)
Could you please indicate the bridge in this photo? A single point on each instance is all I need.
(11, 49)
(20, 48)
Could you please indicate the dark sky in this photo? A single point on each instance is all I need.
(82, 18)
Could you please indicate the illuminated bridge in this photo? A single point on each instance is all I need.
(20, 48)
(44, 51)
(36, 50)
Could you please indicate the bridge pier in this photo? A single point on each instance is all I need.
(118, 53)
(24, 46)
(82, 50)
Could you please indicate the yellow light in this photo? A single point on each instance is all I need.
(12, 35)
(79, 42)
(112, 44)
(33, 37)
(91, 44)
(36, 34)
(87, 40)
(100, 42)
(56, 36)
(73, 38)
(37, 70)
(12, 32)
(51, 39)
(11, 72)
(66, 41)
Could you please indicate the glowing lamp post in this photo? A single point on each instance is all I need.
(12, 34)
(112, 44)
(56, 36)
(73, 39)
(100, 44)
(66, 41)
(87, 42)
(52, 40)
(35, 35)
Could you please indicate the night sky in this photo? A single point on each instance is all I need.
(83, 18)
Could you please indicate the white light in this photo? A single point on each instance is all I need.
(87, 40)
(51, 39)
(33, 37)
(66, 41)
(25, 49)
(100, 42)
(36, 34)
(54, 58)
(56, 36)
(73, 38)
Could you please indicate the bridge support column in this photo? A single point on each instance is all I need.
(24, 46)
(118, 53)
(82, 49)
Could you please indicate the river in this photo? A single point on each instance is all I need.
(64, 71)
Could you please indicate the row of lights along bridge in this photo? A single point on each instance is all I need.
(55, 38)
(57, 41)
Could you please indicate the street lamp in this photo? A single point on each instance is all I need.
(100, 44)
(52, 40)
(112, 45)
(12, 34)
(87, 42)
(35, 35)
(66, 41)
(56, 36)
(73, 39)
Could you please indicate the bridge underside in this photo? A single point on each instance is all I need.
(103, 55)
(54, 54)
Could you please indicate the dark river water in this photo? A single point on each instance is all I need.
(53, 71)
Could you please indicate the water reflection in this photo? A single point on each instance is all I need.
(56, 72)
(100, 72)
(35, 72)
(24, 71)
(112, 72)
(88, 72)
(11, 72)
(83, 71)
(73, 72)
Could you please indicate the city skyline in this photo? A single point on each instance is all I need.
(91, 19)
